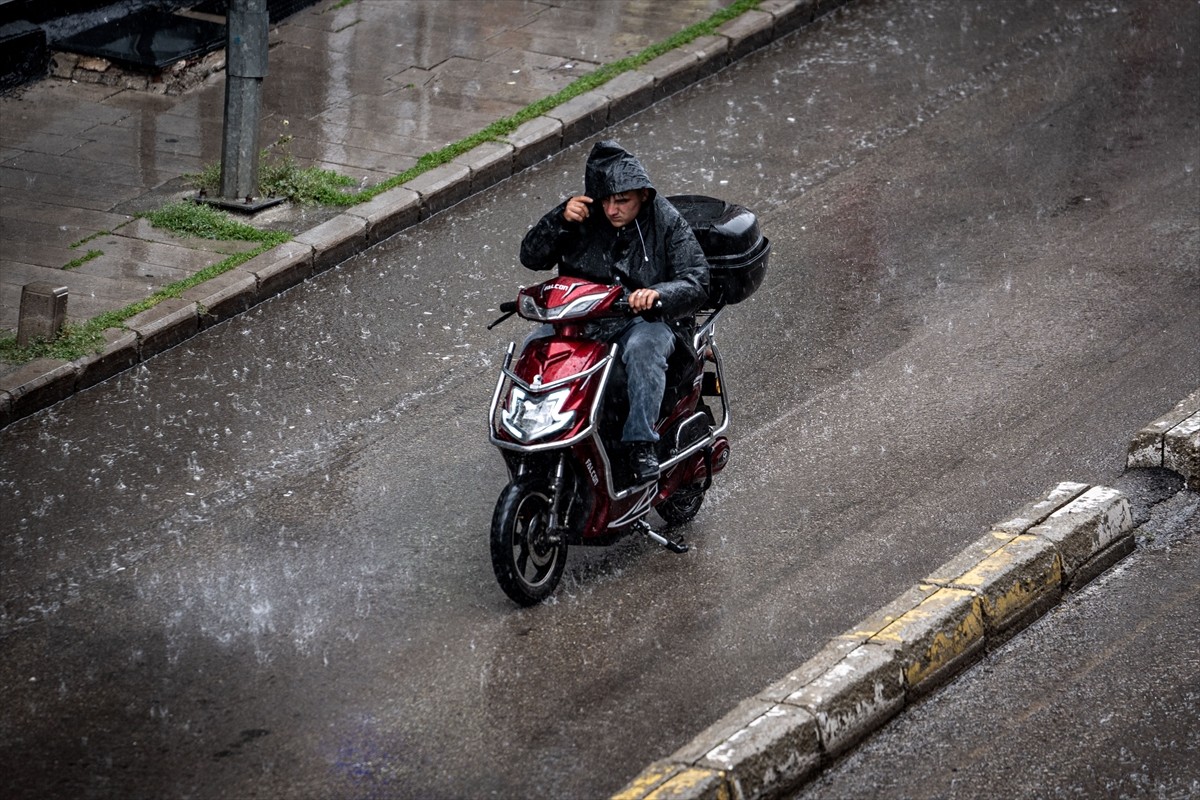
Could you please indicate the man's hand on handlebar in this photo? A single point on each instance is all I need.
(641, 300)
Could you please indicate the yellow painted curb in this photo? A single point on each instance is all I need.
(1021, 576)
(934, 637)
(650, 779)
(665, 780)
(693, 783)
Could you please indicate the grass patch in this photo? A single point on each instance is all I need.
(196, 219)
(185, 218)
(83, 259)
(74, 341)
(280, 176)
(283, 177)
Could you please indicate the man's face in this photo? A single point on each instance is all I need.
(621, 208)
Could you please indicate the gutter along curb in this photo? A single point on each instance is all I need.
(43, 382)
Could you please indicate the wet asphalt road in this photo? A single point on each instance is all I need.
(257, 565)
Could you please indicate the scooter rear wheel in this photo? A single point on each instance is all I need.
(681, 506)
(527, 564)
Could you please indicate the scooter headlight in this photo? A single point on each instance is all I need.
(529, 416)
(579, 307)
(529, 308)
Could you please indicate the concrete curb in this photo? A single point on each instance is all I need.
(44, 382)
(782, 737)
(1171, 442)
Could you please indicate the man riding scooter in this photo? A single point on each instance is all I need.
(643, 243)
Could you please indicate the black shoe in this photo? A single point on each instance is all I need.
(644, 462)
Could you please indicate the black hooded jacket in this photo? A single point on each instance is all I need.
(658, 251)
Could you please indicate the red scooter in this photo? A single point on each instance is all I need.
(559, 407)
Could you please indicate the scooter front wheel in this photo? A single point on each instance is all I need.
(528, 565)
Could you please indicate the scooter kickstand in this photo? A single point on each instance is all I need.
(673, 546)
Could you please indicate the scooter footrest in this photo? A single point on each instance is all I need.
(670, 544)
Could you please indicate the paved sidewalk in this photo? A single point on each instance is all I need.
(365, 89)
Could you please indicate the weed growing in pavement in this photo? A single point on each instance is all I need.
(87, 239)
(83, 259)
(283, 177)
(280, 176)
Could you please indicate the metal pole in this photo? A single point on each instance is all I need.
(246, 66)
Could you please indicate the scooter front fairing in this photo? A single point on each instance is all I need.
(550, 398)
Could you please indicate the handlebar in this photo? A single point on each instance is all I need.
(507, 309)
(621, 306)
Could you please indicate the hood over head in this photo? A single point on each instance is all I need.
(611, 169)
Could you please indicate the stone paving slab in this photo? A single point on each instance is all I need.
(141, 256)
(24, 232)
(114, 145)
(114, 265)
(86, 170)
(77, 222)
(42, 254)
(63, 190)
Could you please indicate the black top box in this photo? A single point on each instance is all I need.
(736, 250)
